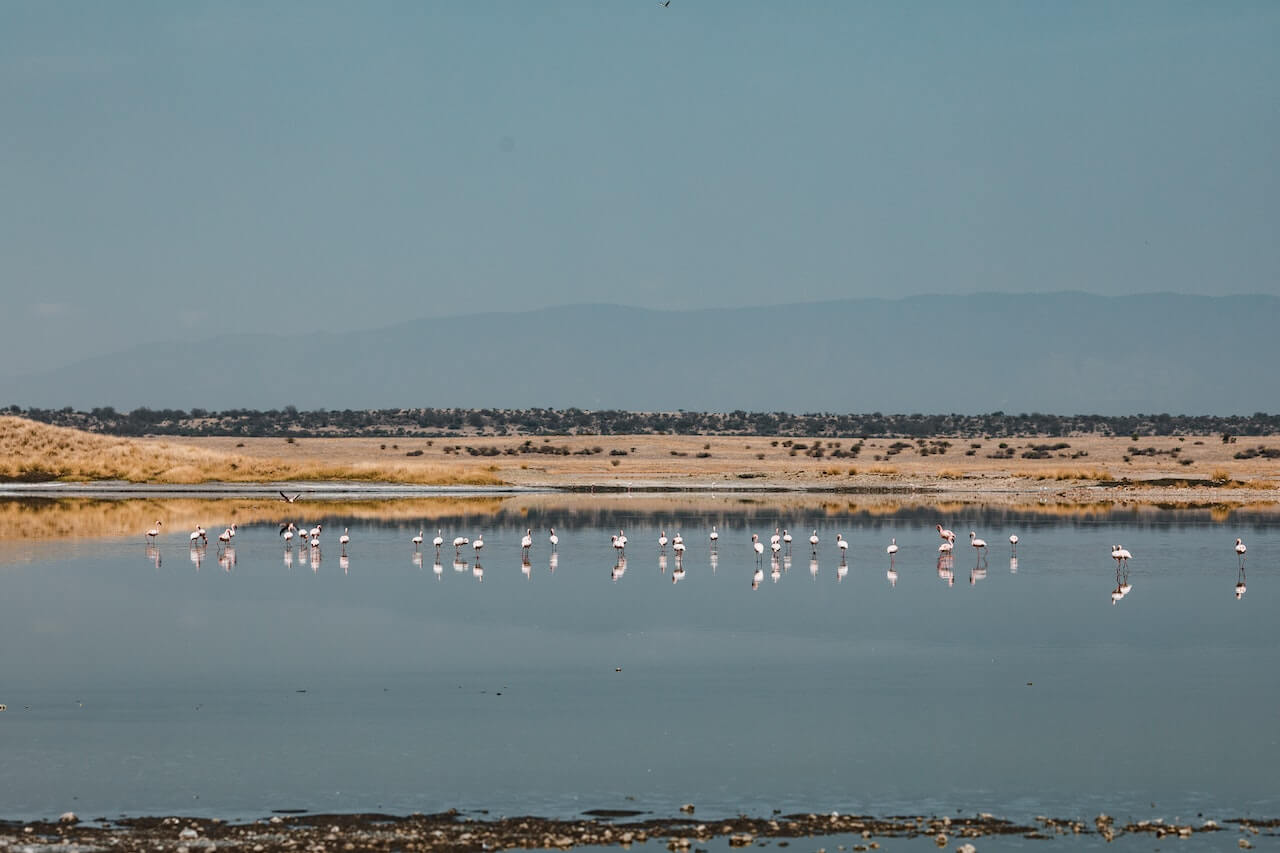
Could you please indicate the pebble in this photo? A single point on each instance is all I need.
(68, 817)
(1245, 844)
(687, 808)
(966, 848)
(188, 833)
(940, 839)
(741, 839)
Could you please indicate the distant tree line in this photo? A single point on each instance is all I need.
(430, 423)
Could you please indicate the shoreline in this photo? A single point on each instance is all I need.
(455, 831)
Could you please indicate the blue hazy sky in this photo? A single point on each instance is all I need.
(175, 170)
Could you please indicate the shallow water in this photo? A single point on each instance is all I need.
(144, 686)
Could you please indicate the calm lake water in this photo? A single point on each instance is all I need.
(145, 681)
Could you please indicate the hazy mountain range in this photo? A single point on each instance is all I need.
(1062, 352)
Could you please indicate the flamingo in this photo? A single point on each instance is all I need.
(199, 533)
(526, 541)
(759, 573)
(477, 544)
(1240, 549)
(775, 547)
(945, 548)
(813, 541)
(775, 538)
(1121, 555)
(554, 540)
(438, 541)
(662, 540)
(980, 545)
(288, 499)
(417, 541)
(892, 549)
(619, 544)
(224, 537)
(458, 542)
(233, 530)
(1013, 544)
(288, 538)
(842, 544)
(948, 535)
(344, 540)
(622, 538)
(155, 531)
(714, 536)
(786, 539)
(677, 545)
(758, 547)
(315, 532)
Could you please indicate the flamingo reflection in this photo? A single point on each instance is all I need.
(757, 576)
(1122, 582)
(553, 561)
(288, 558)
(662, 564)
(197, 555)
(892, 576)
(437, 568)
(1013, 565)
(227, 558)
(619, 568)
(1240, 587)
(344, 563)
(841, 571)
(946, 568)
(813, 567)
(715, 562)
(677, 574)
(526, 567)
(417, 559)
(153, 554)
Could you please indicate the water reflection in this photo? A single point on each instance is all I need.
(288, 558)
(197, 552)
(1123, 586)
(437, 568)
(1013, 565)
(153, 554)
(813, 567)
(715, 561)
(619, 568)
(1240, 587)
(344, 563)
(892, 576)
(946, 568)
(553, 561)
(417, 559)
(227, 558)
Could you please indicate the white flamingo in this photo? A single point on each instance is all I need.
(288, 539)
(526, 541)
(417, 541)
(948, 535)
(438, 541)
(775, 538)
(458, 542)
(619, 544)
(813, 541)
(1240, 549)
(945, 548)
(677, 545)
(1013, 544)
(344, 540)
(758, 547)
(786, 539)
(979, 545)
(199, 533)
(714, 536)
(477, 544)
(224, 537)
(155, 531)
(554, 540)
(842, 544)
(662, 540)
(892, 549)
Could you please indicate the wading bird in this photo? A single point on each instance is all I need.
(155, 531)
(417, 541)
(554, 540)
(1013, 545)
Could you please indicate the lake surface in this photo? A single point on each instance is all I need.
(168, 681)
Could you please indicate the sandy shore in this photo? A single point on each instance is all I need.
(450, 831)
(1183, 469)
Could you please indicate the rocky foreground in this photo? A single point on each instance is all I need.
(452, 831)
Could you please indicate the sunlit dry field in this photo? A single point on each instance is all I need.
(689, 461)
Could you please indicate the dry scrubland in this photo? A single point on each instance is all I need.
(689, 461)
(35, 452)
(31, 451)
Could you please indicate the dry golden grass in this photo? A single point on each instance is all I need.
(34, 452)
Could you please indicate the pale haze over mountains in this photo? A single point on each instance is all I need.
(1062, 352)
